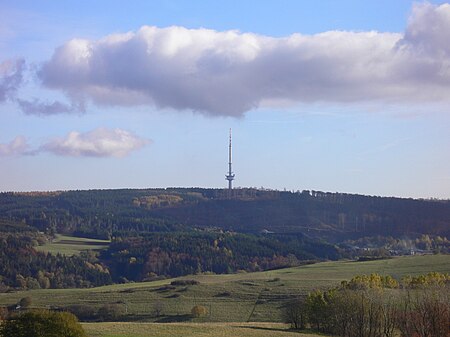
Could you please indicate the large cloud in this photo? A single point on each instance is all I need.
(228, 73)
(100, 142)
(18, 146)
(11, 77)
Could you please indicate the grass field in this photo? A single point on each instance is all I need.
(190, 330)
(252, 297)
(71, 245)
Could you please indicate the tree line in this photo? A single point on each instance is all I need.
(151, 255)
(377, 306)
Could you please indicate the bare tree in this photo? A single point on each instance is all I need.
(158, 308)
(295, 313)
(425, 313)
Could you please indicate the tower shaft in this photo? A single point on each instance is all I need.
(230, 175)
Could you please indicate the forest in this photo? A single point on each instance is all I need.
(148, 256)
(158, 233)
(23, 267)
(174, 254)
(331, 216)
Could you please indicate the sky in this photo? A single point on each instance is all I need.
(341, 96)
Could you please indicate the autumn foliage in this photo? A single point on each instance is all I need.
(199, 311)
(42, 324)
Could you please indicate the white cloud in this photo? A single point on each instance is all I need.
(11, 77)
(228, 73)
(428, 30)
(100, 142)
(18, 146)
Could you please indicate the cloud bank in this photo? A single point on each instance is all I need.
(100, 142)
(11, 77)
(228, 73)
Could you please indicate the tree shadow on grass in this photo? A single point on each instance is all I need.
(305, 331)
(262, 328)
(137, 318)
(175, 318)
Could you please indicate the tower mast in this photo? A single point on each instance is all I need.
(230, 175)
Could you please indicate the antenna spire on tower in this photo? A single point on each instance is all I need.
(230, 175)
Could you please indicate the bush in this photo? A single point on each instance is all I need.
(199, 311)
(42, 324)
(25, 302)
(111, 312)
(184, 282)
(82, 311)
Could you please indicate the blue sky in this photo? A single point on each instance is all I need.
(348, 96)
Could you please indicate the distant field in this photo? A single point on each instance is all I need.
(252, 297)
(71, 245)
(190, 330)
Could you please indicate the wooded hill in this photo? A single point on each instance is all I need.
(331, 216)
(157, 233)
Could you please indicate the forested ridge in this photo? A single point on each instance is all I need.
(328, 215)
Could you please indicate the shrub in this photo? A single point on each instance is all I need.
(42, 324)
(199, 311)
(25, 302)
(111, 312)
(82, 311)
(184, 282)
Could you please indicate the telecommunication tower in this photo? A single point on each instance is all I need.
(230, 175)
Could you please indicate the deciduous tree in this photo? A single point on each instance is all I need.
(42, 324)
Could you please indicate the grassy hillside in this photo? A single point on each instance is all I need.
(246, 297)
(190, 329)
(70, 245)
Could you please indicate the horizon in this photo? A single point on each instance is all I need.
(344, 96)
(262, 188)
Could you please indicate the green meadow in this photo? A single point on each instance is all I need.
(71, 245)
(243, 297)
